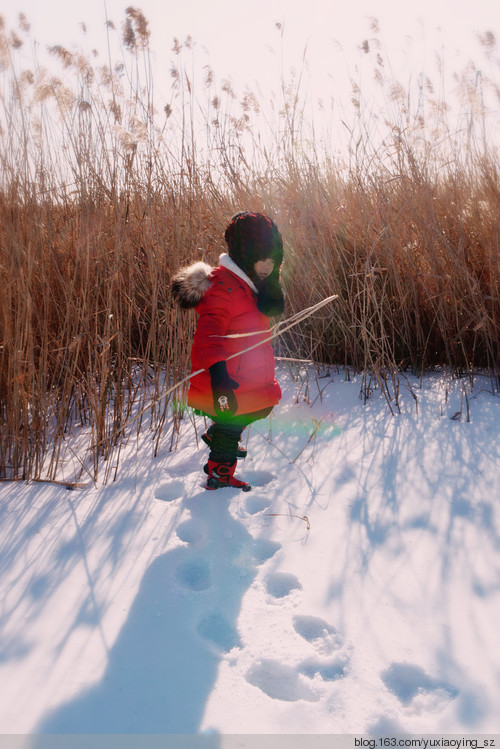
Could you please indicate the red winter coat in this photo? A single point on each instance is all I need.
(228, 305)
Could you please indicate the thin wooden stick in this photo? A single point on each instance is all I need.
(275, 331)
(284, 515)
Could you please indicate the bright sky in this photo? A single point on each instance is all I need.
(240, 41)
(239, 36)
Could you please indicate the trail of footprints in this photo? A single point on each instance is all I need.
(325, 658)
(304, 680)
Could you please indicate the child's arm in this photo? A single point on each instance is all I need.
(213, 324)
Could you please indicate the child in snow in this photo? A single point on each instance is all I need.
(232, 301)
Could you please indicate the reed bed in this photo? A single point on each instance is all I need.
(105, 192)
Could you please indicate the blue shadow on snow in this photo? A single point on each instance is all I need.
(163, 665)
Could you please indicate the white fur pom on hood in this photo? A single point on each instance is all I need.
(191, 283)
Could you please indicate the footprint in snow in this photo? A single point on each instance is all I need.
(407, 681)
(170, 491)
(263, 549)
(289, 684)
(190, 532)
(324, 638)
(326, 641)
(255, 504)
(194, 574)
(280, 682)
(328, 669)
(281, 584)
(219, 632)
(259, 478)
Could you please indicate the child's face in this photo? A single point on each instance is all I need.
(263, 268)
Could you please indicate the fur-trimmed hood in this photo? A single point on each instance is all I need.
(190, 284)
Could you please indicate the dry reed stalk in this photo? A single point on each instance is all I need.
(104, 193)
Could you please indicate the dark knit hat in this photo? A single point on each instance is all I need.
(252, 237)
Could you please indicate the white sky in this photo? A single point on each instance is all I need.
(238, 36)
(240, 41)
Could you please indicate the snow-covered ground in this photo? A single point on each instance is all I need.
(356, 589)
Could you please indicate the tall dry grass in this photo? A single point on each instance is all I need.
(105, 192)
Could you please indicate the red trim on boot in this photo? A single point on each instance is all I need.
(222, 475)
